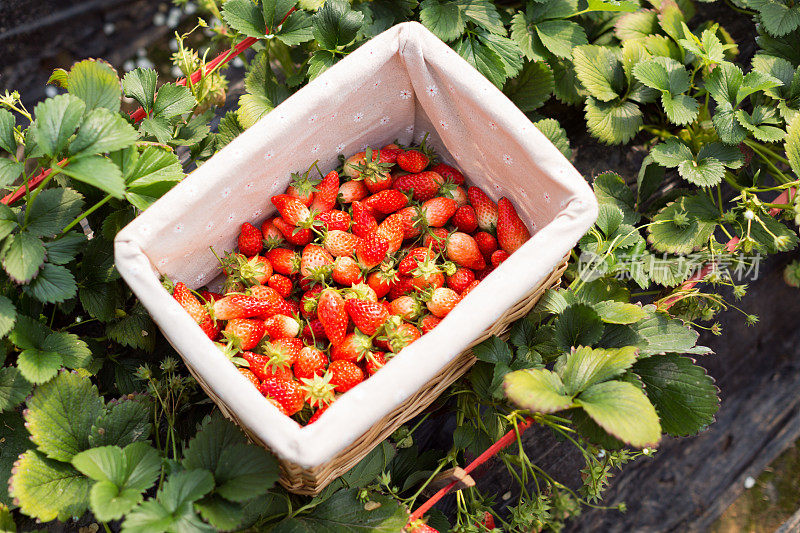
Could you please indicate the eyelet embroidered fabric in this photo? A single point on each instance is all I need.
(400, 85)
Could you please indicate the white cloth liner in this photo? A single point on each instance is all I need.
(399, 85)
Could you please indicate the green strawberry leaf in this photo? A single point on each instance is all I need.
(123, 422)
(274, 11)
(484, 58)
(703, 172)
(296, 29)
(13, 388)
(443, 19)
(681, 109)
(173, 100)
(613, 123)
(245, 17)
(135, 330)
(8, 222)
(761, 124)
(636, 25)
(728, 128)
(336, 25)
(649, 179)
(52, 210)
(723, 83)
(684, 225)
(623, 410)
(23, 255)
(484, 14)
(532, 88)
(537, 389)
(140, 84)
(38, 366)
(53, 284)
(96, 83)
(610, 188)
(15, 442)
(661, 334)
(9, 172)
(102, 131)
(506, 49)
(7, 140)
(46, 489)
(8, 316)
(97, 171)
(792, 144)
(493, 350)
(671, 153)
(555, 134)
(56, 120)
(561, 36)
(730, 156)
(264, 92)
(600, 71)
(778, 18)
(220, 513)
(578, 325)
(612, 312)
(60, 415)
(584, 366)
(683, 394)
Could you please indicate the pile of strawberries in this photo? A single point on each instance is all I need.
(356, 266)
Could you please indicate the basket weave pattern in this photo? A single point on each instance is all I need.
(311, 481)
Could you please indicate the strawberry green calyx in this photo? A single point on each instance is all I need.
(360, 291)
(318, 390)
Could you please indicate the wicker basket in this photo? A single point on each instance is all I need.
(311, 481)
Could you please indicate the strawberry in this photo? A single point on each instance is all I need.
(249, 376)
(511, 230)
(318, 388)
(316, 415)
(465, 219)
(374, 362)
(259, 365)
(272, 235)
(437, 211)
(244, 333)
(240, 306)
(412, 260)
(411, 230)
(284, 261)
(283, 352)
(281, 284)
(331, 312)
(315, 263)
(360, 291)
(250, 240)
(386, 202)
(423, 186)
(293, 234)
(442, 301)
(392, 229)
(463, 250)
(370, 167)
(423, 528)
(354, 347)
(275, 301)
(413, 161)
(210, 297)
(288, 393)
(240, 269)
(427, 274)
(302, 187)
(367, 316)
(345, 375)
(346, 271)
(481, 274)
(340, 243)
(498, 257)
(327, 191)
(282, 326)
(314, 331)
(334, 219)
(488, 520)
(390, 152)
(402, 285)
(310, 362)
(449, 173)
(400, 334)
(352, 191)
(196, 310)
(486, 242)
(371, 250)
(429, 322)
(435, 239)
(462, 278)
(406, 307)
(381, 281)
(292, 210)
(456, 193)
(364, 222)
(469, 288)
(309, 301)
(485, 209)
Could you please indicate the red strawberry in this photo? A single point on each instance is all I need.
(308, 303)
(281, 284)
(429, 322)
(413, 161)
(406, 307)
(316, 415)
(458, 194)
(371, 250)
(399, 334)
(292, 210)
(314, 331)
(435, 239)
(346, 271)
(392, 229)
(310, 362)
(386, 202)
(488, 520)
(340, 243)
(412, 260)
(272, 235)
(196, 310)
(287, 393)
(367, 316)
(240, 306)
(240, 269)
(284, 261)
(469, 288)
(260, 366)
(402, 285)
(250, 240)
(364, 222)
(411, 230)
(374, 362)
(390, 152)
(353, 191)
(485, 209)
(449, 173)
(437, 211)
(498, 257)
(481, 274)
(302, 188)
(427, 274)
(331, 312)
(275, 301)
(282, 326)
(354, 347)
(244, 333)
(370, 167)
(463, 250)
(249, 376)
(486, 242)
(442, 301)
(381, 281)
(465, 219)
(293, 234)
(462, 278)
(210, 297)
(334, 219)
(424, 185)
(360, 291)
(283, 352)
(327, 191)
(315, 263)
(511, 230)
(345, 375)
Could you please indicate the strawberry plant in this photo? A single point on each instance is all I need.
(98, 416)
